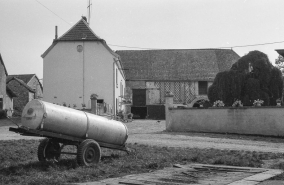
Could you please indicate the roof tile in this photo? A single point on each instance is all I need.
(176, 64)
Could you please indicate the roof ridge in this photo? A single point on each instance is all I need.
(21, 82)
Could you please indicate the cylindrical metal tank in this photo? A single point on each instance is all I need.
(46, 116)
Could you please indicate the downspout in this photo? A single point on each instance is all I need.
(83, 73)
(114, 85)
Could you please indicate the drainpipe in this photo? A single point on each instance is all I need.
(83, 73)
(114, 84)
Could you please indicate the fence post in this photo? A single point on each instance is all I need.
(94, 105)
(169, 103)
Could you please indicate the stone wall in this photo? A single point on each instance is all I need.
(243, 120)
(22, 97)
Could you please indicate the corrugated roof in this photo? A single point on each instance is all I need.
(176, 64)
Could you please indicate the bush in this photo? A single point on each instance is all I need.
(251, 77)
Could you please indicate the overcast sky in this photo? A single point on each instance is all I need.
(27, 26)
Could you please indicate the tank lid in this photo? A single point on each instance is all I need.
(32, 115)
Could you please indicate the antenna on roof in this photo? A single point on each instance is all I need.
(89, 11)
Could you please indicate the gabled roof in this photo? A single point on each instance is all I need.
(21, 82)
(280, 52)
(176, 64)
(79, 32)
(2, 62)
(25, 77)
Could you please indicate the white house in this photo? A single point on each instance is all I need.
(79, 64)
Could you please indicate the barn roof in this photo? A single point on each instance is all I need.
(176, 64)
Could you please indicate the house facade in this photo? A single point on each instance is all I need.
(32, 81)
(6, 94)
(23, 92)
(187, 73)
(78, 65)
(26, 87)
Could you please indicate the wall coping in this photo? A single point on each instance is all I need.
(244, 107)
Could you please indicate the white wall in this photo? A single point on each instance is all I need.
(243, 120)
(72, 76)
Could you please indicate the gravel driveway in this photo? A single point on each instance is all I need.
(151, 132)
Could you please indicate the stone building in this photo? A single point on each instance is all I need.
(187, 73)
(26, 88)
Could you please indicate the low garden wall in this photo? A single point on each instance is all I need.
(243, 120)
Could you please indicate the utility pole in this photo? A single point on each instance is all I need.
(89, 11)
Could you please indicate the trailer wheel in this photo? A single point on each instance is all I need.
(48, 149)
(88, 152)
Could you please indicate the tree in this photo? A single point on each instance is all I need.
(280, 63)
(252, 77)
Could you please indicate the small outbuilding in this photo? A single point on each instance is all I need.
(23, 92)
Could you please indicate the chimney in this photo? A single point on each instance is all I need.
(85, 18)
(55, 32)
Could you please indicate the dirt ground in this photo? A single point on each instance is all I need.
(152, 132)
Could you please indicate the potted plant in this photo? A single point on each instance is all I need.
(237, 103)
(218, 103)
(258, 102)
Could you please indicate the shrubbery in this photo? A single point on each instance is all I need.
(252, 77)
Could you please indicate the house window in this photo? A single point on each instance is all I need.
(202, 87)
(121, 89)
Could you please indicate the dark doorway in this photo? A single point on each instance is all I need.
(139, 97)
(139, 112)
(156, 112)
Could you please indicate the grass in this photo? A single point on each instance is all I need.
(19, 164)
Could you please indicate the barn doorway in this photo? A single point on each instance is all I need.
(139, 112)
(139, 97)
(139, 109)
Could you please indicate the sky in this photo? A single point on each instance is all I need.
(27, 27)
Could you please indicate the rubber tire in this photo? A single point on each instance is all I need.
(88, 152)
(45, 149)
